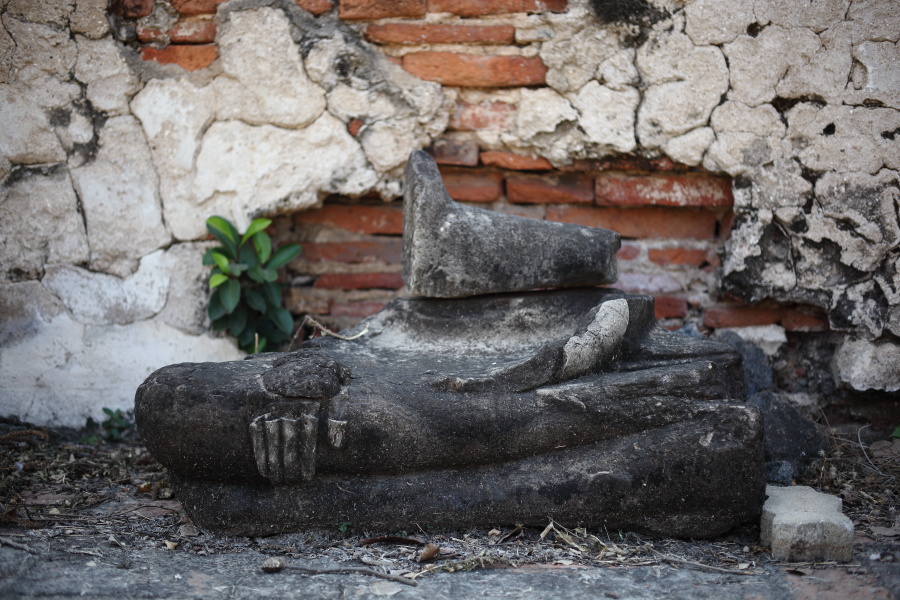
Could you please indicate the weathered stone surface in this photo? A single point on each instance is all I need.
(240, 165)
(685, 83)
(264, 81)
(50, 12)
(89, 18)
(876, 76)
(393, 423)
(864, 364)
(717, 21)
(746, 137)
(541, 111)
(100, 299)
(26, 137)
(573, 58)
(119, 194)
(757, 64)
(801, 524)
(448, 249)
(40, 49)
(22, 304)
(607, 116)
(41, 225)
(110, 83)
(826, 73)
(689, 148)
(188, 292)
(816, 15)
(789, 437)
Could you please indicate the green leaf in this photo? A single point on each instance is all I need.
(246, 339)
(207, 256)
(285, 255)
(224, 231)
(216, 310)
(248, 256)
(270, 274)
(221, 261)
(255, 227)
(255, 300)
(282, 320)
(231, 295)
(238, 321)
(217, 279)
(263, 244)
(221, 323)
(272, 293)
(896, 433)
(256, 274)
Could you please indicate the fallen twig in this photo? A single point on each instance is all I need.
(23, 433)
(275, 564)
(684, 561)
(308, 320)
(7, 542)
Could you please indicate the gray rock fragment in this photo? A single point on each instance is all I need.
(452, 251)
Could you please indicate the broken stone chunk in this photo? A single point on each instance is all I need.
(452, 251)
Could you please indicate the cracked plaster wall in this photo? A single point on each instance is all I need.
(110, 165)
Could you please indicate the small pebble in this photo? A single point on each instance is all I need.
(273, 564)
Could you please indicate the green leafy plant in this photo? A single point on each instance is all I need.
(246, 298)
(113, 428)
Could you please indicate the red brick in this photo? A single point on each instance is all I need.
(150, 34)
(515, 162)
(725, 225)
(476, 8)
(316, 7)
(354, 126)
(193, 31)
(449, 152)
(415, 33)
(356, 309)
(476, 70)
(131, 8)
(797, 319)
(550, 189)
(389, 251)
(663, 190)
(646, 222)
(473, 185)
(196, 7)
(484, 115)
(717, 317)
(363, 218)
(628, 252)
(360, 281)
(678, 256)
(381, 9)
(670, 307)
(190, 58)
(625, 162)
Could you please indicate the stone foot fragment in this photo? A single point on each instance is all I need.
(285, 447)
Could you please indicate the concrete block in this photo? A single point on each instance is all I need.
(801, 524)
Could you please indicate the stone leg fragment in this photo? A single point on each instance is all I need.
(801, 524)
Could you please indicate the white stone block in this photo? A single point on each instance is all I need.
(607, 116)
(26, 136)
(119, 192)
(41, 225)
(800, 524)
(110, 82)
(867, 365)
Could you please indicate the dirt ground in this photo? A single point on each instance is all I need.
(100, 520)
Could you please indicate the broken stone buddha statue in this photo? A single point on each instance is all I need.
(508, 388)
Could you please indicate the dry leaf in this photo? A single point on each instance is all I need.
(171, 545)
(886, 531)
(428, 552)
(188, 530)
(494, 532)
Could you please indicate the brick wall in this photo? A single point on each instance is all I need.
(673, 219)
